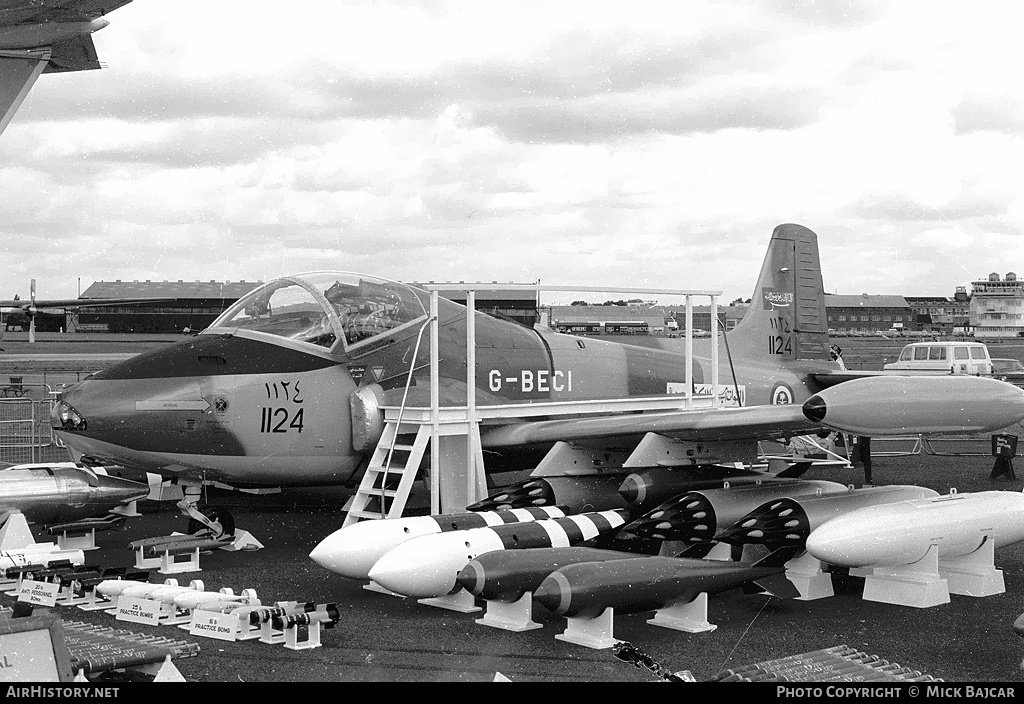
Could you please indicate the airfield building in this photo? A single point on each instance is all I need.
(868, 313)
(194, 306)
(997, 306)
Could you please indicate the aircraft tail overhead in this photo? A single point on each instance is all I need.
(786, 319)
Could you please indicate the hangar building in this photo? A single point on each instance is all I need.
(196, 304)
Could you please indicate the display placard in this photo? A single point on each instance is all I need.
(32, 649)
(136, 610)
(1004, 446)
(39, 593)
(214, 624)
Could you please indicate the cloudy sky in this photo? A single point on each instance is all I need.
(651, 144)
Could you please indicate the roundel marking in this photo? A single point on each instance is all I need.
(782, 394)
(220, 405)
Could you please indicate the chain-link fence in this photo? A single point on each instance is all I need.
(25, 432)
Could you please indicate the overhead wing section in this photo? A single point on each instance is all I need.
(750, 422)
(44, 36)
(18, 73)
(74, 54)
(876, 406)
(833, 377)
(60, 304)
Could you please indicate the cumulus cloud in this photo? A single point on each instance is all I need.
(654, 145)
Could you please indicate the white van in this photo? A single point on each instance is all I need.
(943, 358)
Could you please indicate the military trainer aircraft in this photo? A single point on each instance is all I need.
(45, 36)
(287, 387)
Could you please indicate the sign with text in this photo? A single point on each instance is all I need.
(39, 593)
(32, 649)
(27, 657)
(727, 394)
(136, 610)
(214, 624)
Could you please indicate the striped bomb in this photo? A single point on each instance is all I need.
(351, 551)
(429, 566)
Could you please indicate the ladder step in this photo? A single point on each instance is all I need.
(375, 493)
(395, 469)
(365, 514)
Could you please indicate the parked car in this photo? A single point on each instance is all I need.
(943, 357)
(1010, 370)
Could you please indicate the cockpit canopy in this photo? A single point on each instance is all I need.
(326, 309)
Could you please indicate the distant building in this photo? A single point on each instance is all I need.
(938, 314)
(997, 306)
(195, 305)
(609, 320)
(520, 306)
(868, 313)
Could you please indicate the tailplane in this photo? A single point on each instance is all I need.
(786, 319)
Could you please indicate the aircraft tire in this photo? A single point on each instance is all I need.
(219, 516)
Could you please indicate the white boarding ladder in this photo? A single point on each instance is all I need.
(388, 484)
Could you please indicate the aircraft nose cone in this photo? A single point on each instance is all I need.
(815, 408)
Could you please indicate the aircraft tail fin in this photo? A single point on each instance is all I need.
(777, 558)
(778, 585)
(786, 319)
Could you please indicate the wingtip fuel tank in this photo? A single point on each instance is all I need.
(881, 406)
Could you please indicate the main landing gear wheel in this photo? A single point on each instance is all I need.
(222, 523)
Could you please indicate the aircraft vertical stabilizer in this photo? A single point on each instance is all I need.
(786, 319)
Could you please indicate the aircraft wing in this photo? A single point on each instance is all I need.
(59, 304)
(874, 405)
(833, 377)
(34, 12)
(45, 36)
(732, 423)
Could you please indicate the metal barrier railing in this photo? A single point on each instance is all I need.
(25, 432)
(915, 449)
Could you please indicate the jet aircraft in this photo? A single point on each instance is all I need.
(286, 387)
(46, 36)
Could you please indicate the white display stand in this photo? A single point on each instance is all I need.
(918, 585)
(807, 575)
(974, 574)
(516, 616)
(689, 618)
(590, 632)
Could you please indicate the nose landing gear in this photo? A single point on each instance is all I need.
(213, 519)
